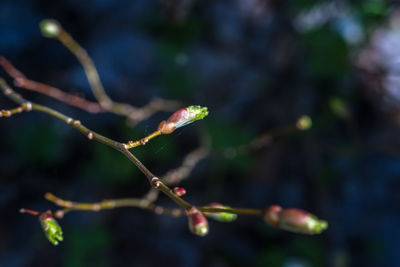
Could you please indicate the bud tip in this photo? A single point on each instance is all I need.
(50, 28)
(304, 123)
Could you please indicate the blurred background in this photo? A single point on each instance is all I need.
(257, 65)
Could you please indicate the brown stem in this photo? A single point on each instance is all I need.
(139, 203)
(92, 135)
(22, 81)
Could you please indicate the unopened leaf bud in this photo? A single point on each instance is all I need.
(198, 223)
(179, 191)
(182, 117)
(304, 123)
(294, 220)
(50, 28)
(51, 228)
(271, 215)
(220, 216)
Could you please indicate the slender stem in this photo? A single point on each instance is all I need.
(98, 90)
(175, 176)
(255, 212)
(154, 181)
(20, 80)
(104, 100)
(110, 204)
(263, 140)
(140, 203)
(135, 114)
(143, 141)
(88, 66)
(32, 212)
(10, 112)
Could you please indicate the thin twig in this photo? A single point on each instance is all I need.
(20, 80)
(137, 203)
(10, 112)
(133, 113)
(96, 85)
(92, 135)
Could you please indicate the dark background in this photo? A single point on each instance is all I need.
(256, 65)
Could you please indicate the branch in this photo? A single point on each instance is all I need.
(109, 204)
(139, 203)
(92, 135)
(20, 80)
(53, 29)
(302, 124)
(10, 112)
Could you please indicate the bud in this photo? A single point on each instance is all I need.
(220, 216)
(271, 215)
(198, 223)
(179, 191)
(51, 228)
(304, 123)
(50, 28)
(182, 117)
(294, 220)
(338, 107)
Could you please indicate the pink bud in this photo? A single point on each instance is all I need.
(294, 220)
(179, 191)
(271, 215)
(166, 127)
(198, 223)
(182, 117)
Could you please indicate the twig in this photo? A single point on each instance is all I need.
(92, 135)
(10, 112)
(20, 80)
(137, 203)
(302, 124)
(175, 176)
(133, 113)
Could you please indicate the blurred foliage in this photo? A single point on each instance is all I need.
(87, 244)
(218, 54)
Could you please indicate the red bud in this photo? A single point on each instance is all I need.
(179, 191)
(198, 223)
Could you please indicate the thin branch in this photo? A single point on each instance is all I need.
(267, 138)
(175, 176)
(143, 141)
(137, 203)
(133, 113)
(109, 204)
(20, 80)
(10, 112)
(92, 135)
(96, 85)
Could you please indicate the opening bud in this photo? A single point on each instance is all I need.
(182, 117)
(51, 228)
(294, 220)
(198, 223)
(220, 216)
(50, 28)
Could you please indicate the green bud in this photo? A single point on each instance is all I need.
(304, 123)
(50, 28)
(51, 228)
(195, 113)
(221, 216)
